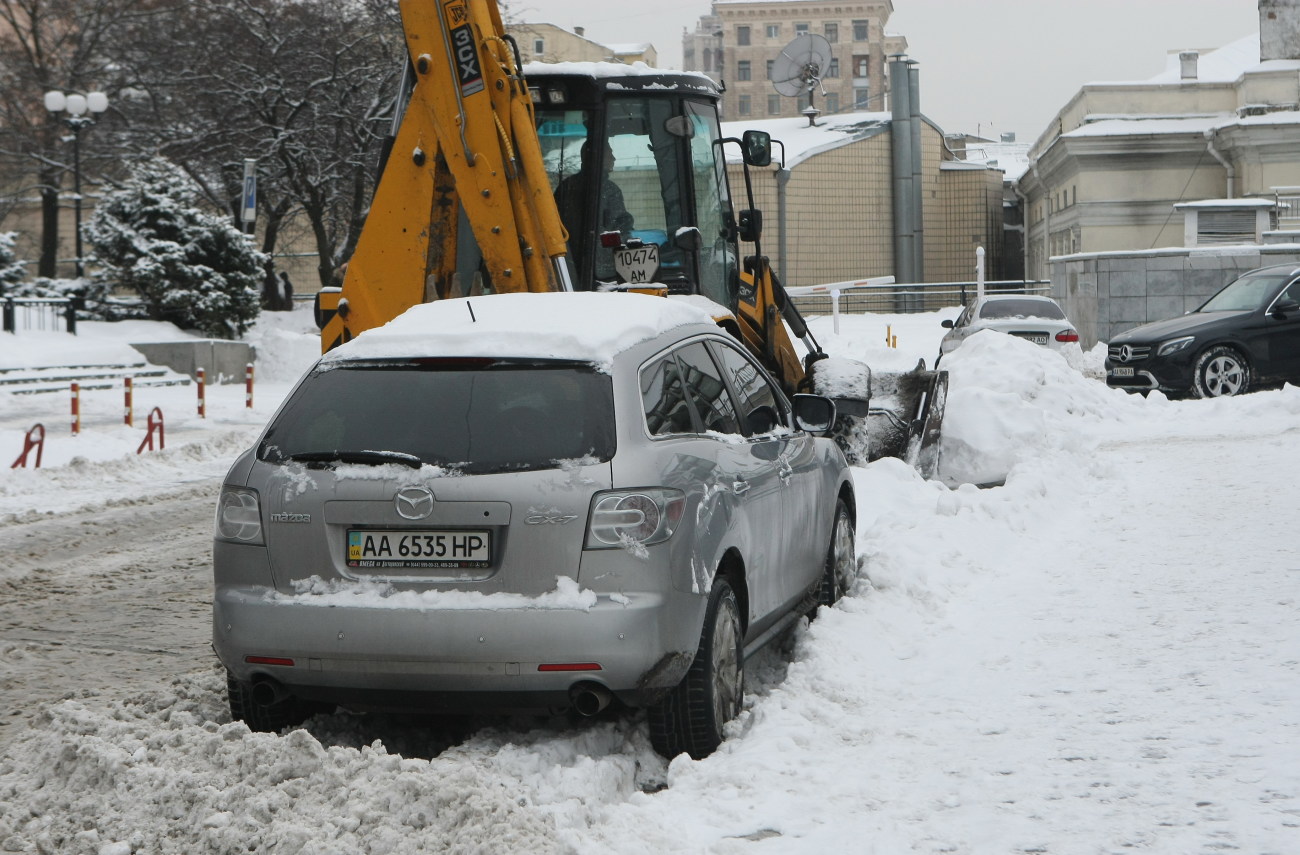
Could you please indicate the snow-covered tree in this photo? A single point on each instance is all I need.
(11, 269)
(188, 266)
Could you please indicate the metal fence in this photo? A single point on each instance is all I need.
(902, 299)
(39, 313)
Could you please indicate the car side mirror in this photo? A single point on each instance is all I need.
(1282, 308)
(756, 148)
(947, 324)
(813, 413)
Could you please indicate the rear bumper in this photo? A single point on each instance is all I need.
(449, 659)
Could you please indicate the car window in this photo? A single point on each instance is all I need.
(704, 385)
(1292, 292)
(663, 394)
(762, 408)
(1022, 309)
(1245, 294)
(475, 416)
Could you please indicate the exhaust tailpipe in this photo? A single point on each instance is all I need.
(268, 692)
(589, 698)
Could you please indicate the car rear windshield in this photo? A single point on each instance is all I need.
(1022, 309)
(475, 416)
(1247, 293)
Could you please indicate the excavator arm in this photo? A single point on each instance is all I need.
(463, 204)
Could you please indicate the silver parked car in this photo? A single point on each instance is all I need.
(1033, 318)
(528, 502)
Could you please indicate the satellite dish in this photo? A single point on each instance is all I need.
(801, 64)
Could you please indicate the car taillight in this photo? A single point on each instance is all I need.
(239, 516)
(1067, 335)
(623, 517)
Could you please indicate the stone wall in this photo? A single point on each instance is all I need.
(1105, 293)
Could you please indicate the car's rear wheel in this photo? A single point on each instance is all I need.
(267, 718)
(841, 559)
(690, 718)
(1220, 373)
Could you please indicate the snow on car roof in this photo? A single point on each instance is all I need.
(583, 326)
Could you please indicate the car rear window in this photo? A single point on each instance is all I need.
(1022, 309)
(476, 416)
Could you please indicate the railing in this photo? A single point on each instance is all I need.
(902, 299)
(38, 313)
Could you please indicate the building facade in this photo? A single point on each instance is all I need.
(542, 42)
(829, 214)
(741, 41)
(1215, 125)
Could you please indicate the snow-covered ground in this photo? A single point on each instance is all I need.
(1099, 656)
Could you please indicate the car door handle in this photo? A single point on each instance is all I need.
(740, 488)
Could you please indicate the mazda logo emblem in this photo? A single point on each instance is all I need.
(1125, 353)
(414, 503)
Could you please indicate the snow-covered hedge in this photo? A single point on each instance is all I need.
(189, 267)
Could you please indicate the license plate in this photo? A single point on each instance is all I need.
(1122, 372)
(637, 265)
(1035, 338)
(381, 549)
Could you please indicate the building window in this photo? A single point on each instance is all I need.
(742, 35)
(800, 30)
(771, 67)
(539, 46)
(708, 60)
(742, 70)
(861, 31)
(861, 99)
(832, 32)
(832, 102)
(742, 105)
(774, 105)
(833, 70)
(773, 31)
(861, 64)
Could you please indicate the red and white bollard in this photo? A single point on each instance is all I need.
(35, 438)
(248, 386)
(155, 423)
(128, 407)
(76, 409)
(203, 387)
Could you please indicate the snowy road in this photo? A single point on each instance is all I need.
(115, 598)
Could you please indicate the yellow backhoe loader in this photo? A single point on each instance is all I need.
(589, 176)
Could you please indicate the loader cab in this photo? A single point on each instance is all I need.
(638, 177)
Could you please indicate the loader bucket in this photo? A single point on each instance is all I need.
(885, 415)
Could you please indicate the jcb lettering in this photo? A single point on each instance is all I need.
(467, 66)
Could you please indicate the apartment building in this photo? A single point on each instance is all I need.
(741, 41)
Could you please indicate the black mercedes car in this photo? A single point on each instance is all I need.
(1246, 335)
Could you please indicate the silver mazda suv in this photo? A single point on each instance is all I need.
(528, 502)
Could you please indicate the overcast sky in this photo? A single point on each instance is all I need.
(987, 65)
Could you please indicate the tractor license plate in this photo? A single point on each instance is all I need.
(637, 265)
(1122, 372)
(381, 549)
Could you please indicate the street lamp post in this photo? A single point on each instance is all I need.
(80, 110)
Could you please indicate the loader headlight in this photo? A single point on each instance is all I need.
(620, 517)
(239, 515)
